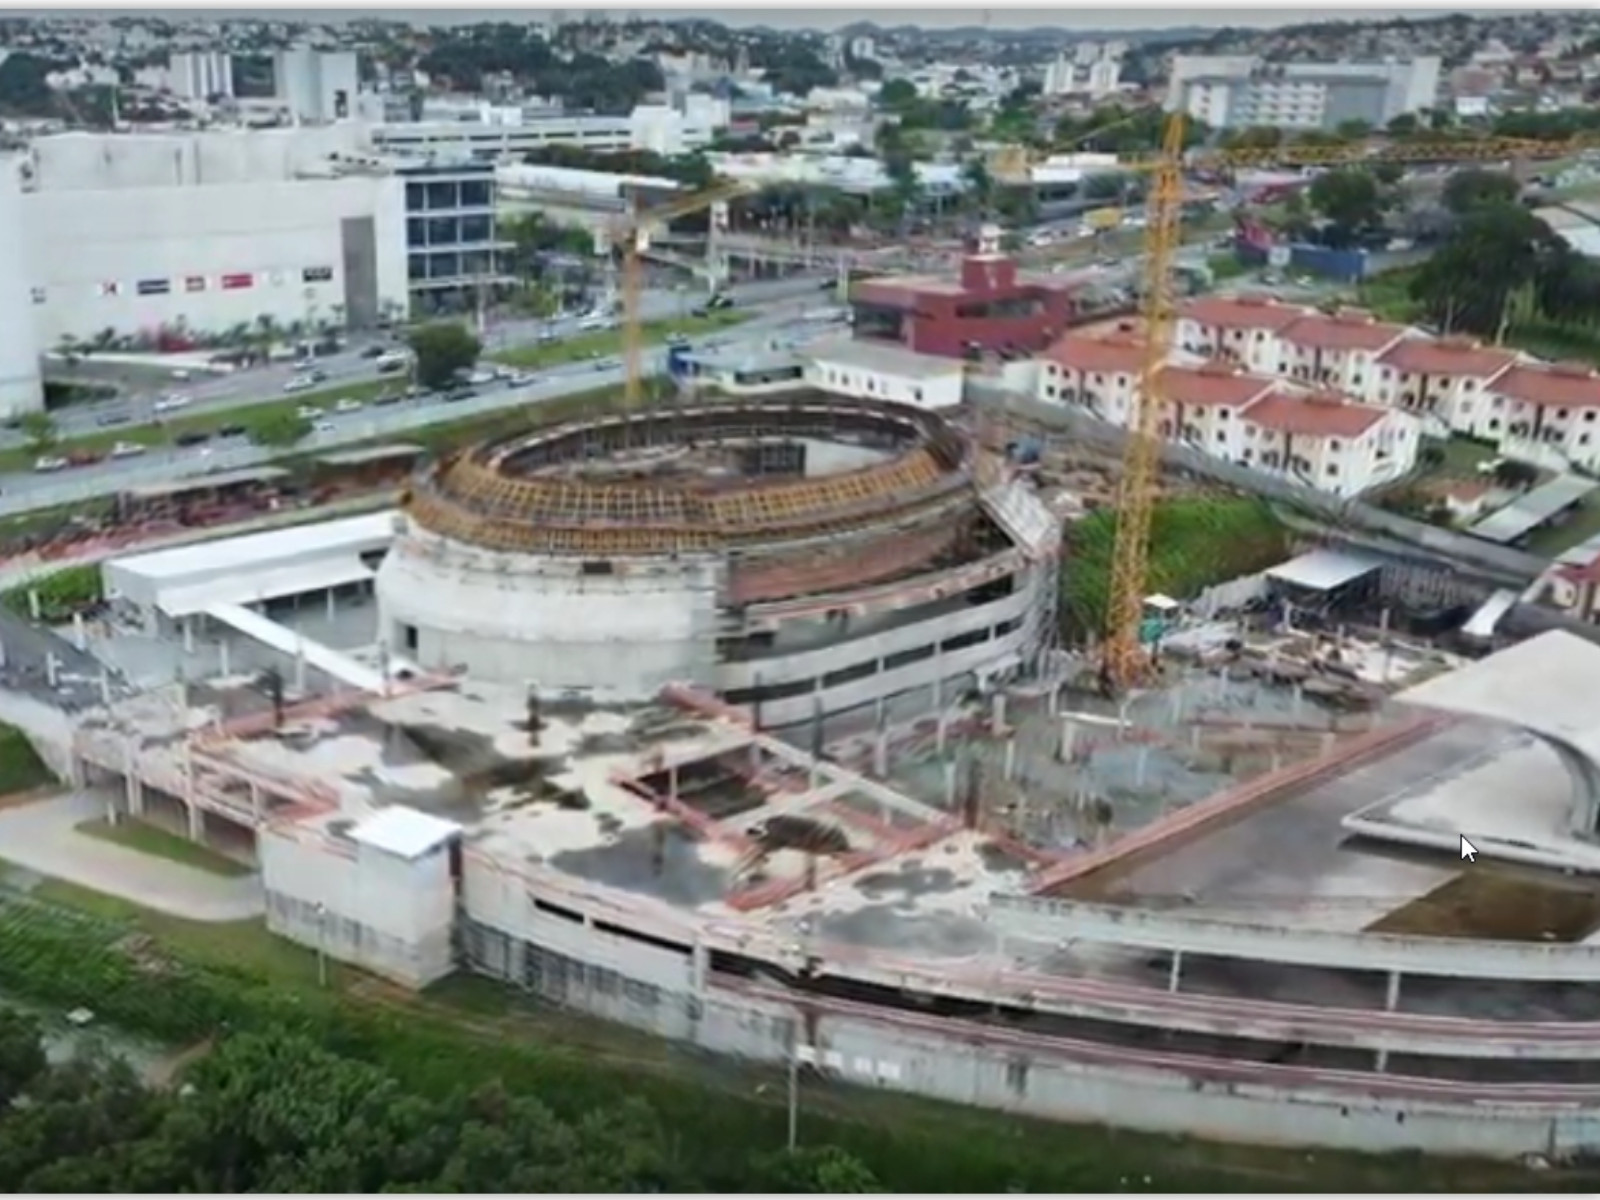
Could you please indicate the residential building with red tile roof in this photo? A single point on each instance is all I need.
(1241, 329)
(1338, 351)
(1445, 381)
(1551, 414)
(1327, 441)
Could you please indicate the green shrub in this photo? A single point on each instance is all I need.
(61, 593)
(21, 768)
(1195, 542)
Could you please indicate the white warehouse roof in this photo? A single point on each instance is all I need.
(404, 832)
(886, 360)
(570, 179)
(190, 579)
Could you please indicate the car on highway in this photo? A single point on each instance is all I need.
(172, 402)
(49, 463)
(192, 437)
(299, 383)
(108, 420)
(126, 450)
(376, 350)
(391, 362)
(323, 426)
(233, 431)
(456, 395)
(347, 405)
(387, 399)
(308, 412)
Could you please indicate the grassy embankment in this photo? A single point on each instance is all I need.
(1195, 542)
(184, 981)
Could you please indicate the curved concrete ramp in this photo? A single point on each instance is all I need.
(1549, 686)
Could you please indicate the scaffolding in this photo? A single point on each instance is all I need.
(493, 498)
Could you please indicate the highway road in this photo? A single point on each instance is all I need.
(264, 383)
(779, 320)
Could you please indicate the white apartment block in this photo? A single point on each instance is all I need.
(200, 74)
(1243, 91)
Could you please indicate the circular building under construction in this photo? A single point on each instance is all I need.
(797, 555)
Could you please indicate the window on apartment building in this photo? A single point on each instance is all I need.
(475, 193)
(1561, 414)
(1589, 416)
(1335, 445)
(1333, 468)
(916, 394)
(1222, 435)
(1469, 385)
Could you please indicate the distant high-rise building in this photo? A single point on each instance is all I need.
(316, 85)
(200, 74)
(1242, 91)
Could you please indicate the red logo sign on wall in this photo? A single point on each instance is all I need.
(232, 283)
(194, 283)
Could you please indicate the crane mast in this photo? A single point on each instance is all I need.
(1125, 657)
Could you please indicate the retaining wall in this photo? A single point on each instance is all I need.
(1013, 1072)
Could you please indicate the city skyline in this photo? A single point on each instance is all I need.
(1110, 20)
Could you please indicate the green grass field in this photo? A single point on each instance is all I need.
(608, 342)
(149, 839)
(246, 415)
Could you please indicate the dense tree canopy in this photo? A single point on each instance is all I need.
(467, 55)
(279, 1113)
(23, 90)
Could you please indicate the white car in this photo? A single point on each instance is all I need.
(172, 403)
(299, 383)
(347, 406)
(308, 412)
(126, 450)
(323, 427)
(49, 463)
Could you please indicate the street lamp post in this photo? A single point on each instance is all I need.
(322, 944)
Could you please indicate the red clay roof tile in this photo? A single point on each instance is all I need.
(1324, 415)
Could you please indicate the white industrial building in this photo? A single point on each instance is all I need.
(869, 371)
(492, 132)
(1243, 91)
(210, 231)
(21, 387)
(201, 74)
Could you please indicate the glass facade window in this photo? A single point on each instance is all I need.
(450, 230)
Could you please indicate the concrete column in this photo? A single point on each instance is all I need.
(300, 669)
(950, 784)
(939, 731)
(1391, 997)
(135, 796)
(1141, 763)
(699, 967)
(1011, 759)
(672, 781)
(222, 656)
(187, 624)
(80, 635)
(197, 823)
(52, 670)
(998, 718)
(1175, 971)
(1069, 736)
(880, 755)
(333, 604)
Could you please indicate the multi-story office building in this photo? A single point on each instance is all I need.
(1242, 91)
(453, 253)
(491, 134)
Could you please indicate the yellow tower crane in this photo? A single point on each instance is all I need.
(1126, 660)
(632, 232)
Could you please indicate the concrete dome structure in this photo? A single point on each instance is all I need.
(789, 553)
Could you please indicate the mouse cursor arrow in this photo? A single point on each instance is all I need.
(1468, 850)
